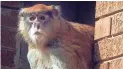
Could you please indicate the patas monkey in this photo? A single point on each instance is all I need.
(55, 43)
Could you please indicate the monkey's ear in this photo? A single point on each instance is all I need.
(56, 10)
(21, 13)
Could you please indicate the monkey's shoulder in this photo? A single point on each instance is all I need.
(82, 28)
(78, 35)
(78, 31)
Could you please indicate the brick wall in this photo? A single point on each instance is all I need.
(9, 12)
(109, 35)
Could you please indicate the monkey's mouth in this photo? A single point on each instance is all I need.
(39, 33)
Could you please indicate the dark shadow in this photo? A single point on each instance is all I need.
(96, 55)
(79, 11)
(31, 3)
(23, 55)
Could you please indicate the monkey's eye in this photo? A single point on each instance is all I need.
(32, 18)
(42, 17)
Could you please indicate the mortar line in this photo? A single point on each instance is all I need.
(112, 35)
(9, 28)
(109, 59)
(109, 14)
(9, 48)
(7, 7)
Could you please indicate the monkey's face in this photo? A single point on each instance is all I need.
(40, 25)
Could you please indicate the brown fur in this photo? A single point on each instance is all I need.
(79, 38)
(75, 44)
(38, 8)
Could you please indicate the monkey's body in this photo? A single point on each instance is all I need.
(69, 47)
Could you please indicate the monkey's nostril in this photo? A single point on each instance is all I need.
(38, 26)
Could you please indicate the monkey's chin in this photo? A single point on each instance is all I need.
(38, 39)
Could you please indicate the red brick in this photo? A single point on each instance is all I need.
(106, 7)
(117, 23)
(7, 57)
(116, 63)
(109, 47)
(12, 3)
(8, 38)
(9, 17)
(102, 28)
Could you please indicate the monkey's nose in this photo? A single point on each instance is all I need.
(37, 25)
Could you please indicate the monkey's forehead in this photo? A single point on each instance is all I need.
(37, 8)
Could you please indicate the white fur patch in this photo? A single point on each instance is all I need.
(38, 60)
(36, 38)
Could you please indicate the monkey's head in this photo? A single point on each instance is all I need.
(39, 23)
